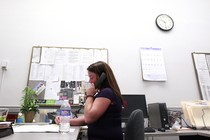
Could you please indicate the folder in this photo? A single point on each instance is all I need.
(197, 113)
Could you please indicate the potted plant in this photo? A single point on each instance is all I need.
(29, 107)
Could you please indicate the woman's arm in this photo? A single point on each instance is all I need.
(74, 122)
(94, 109)
(80, 121)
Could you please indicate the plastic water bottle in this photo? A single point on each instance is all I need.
(65, 115)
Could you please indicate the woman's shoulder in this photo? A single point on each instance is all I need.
(107, 90)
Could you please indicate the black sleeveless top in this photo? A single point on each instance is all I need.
(108, 127)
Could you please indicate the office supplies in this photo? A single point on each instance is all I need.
(197, 113)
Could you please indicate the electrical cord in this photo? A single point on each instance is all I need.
(205, 126)
(174, 116)
(77, 111)
(2, 78)
(193, 127)
(188, 126)
(178, 116)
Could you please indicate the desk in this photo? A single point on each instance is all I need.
(45, 136)
(183, 134)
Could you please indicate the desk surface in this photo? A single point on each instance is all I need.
(45, 136)
(188, 132)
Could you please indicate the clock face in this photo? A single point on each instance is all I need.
(164, 22)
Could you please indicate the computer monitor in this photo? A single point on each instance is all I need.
(132, 102)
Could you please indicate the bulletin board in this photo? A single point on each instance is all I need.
(60, 72)
(201, 63)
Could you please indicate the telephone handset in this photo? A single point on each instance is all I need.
(100, 80)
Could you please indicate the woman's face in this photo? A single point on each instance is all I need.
(93, 77)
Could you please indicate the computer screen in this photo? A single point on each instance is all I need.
(132, 102)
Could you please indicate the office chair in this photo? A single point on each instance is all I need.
(135, 126)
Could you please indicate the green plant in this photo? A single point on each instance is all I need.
(29, 101)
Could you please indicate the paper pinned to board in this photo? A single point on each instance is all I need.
(197, 112)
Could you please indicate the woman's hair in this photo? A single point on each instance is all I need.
(110, 81)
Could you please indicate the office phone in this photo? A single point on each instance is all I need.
(100, 80)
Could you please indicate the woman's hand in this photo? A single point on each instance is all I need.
(91, 90)
(57, 119)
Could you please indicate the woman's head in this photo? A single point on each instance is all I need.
(96, 69)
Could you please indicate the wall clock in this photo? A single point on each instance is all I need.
(164, 22)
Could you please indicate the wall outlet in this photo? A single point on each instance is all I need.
(4, 65)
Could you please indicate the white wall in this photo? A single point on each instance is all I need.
(121, 26)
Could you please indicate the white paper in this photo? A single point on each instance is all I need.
(197, 112)
(74, 56)
(52, 90)
(200, 61)
(87, 56)
(153, 67)
(36, 55)
(37, 72)
(204, 81)
(48, 56)
(100, 55)
(208, 61)
(53, 128)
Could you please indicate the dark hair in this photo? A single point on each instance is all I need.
(110, 81)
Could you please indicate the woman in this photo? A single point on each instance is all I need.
(103, 106)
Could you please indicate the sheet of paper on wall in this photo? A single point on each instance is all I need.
(200, 61)
(48, 56)
(204, 81)
(100, 55)
(74, 56)
(87, 56)
(208, 61)
(52, 90)
(36, 55)
(37, 72)
(152, 63)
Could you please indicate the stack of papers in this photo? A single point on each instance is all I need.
(5, 125)
(197, 112)
(37, 128)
